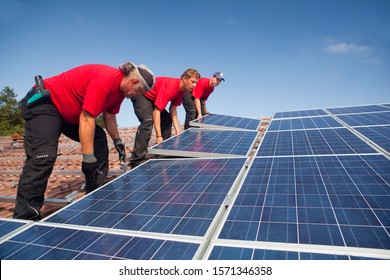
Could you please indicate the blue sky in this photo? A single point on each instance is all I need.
(276, 55)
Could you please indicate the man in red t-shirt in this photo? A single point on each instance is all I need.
(150, 110)
(73, 100)
(195, 103)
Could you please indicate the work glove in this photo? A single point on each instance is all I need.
(90, 168)
(120, 147)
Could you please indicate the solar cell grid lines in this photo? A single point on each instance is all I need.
(312, 142)
(367, 119)
(318, 188)
(43, 242)
(314, 200)
(303, 123)
(162, 196)
(225, 122)
(380, 135)
(300, 113)
(7, 226)
(208, 143)
(358, 109)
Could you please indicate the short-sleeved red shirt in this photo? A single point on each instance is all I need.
(202, 89)
(165, 89)
(92, 87)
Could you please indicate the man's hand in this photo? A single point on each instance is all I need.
(90, 168)
(120, 147)
(159, 139)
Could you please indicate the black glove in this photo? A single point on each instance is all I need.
(120, 147)
(90, 170)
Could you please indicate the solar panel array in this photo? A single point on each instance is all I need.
(318, 187)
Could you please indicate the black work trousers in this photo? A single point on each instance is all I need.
(190, 108)
(143, 109)
(43, 128)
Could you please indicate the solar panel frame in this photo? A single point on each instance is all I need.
(218, 121)
(206, 143)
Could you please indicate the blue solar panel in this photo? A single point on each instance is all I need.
(222, 121)
(312, 142)
(298, 114)
(7, 226)
(162, 196)
(357, 109)
(303, 123)
(324, 200)
(54, 243)
(380, 135)
(367, 119)
(208, 143)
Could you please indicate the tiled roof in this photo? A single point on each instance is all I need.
(66, 177)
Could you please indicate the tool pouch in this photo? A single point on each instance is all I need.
(41, 94)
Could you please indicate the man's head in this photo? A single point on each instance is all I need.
(137, 79)
(188, 79)
(216, 79)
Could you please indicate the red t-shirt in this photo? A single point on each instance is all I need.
(92, 87)
(202, 89)
(165, 89)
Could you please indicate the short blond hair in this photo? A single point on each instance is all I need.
(190, 72)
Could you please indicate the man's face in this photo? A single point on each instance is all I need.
(189, 83)
(214, 81)
(132, 88)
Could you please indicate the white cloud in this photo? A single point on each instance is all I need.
(345, 48)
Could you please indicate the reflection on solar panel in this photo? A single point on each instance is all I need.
(313, 201)
(303, 123)
(42, 242)
(163, 196)
(312, 142)
(207, 143)
(224, 122)
(302, 113)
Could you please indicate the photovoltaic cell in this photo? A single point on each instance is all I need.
(41, 242)
(223, 121)
(368, 119)
(303, 123)
(357, 109)
(298, 114)
(327, 200)
(312, 142)
(162, 196)
(207, 143)
(380, 135)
